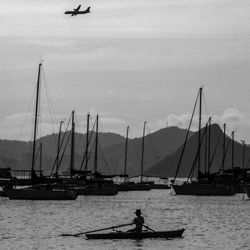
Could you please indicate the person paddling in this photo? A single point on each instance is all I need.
(138, 221)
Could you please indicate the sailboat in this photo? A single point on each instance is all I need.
(127, 185)
(204, 185)
(95, 183)
(38, 191)
(150, 184)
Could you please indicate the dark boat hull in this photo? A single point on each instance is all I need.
(160, 186)
(96, 191)
(40, 194)
(134, 235)
(2, 193)
(133, 187)
(202, 189)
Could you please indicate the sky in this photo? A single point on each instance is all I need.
(129, 61)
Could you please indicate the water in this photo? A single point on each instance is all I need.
(210, 222)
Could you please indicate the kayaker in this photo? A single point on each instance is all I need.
(138, 221)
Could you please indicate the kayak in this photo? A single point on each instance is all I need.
(137, 235)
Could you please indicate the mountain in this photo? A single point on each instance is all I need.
(17, 154)
(168, 165)
(158, 145)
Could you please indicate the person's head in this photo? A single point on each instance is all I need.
(138, 212)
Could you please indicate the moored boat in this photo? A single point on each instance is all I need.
(132, 186)
(41, 193)
(137, 235)
(207, 189)
(96, 189)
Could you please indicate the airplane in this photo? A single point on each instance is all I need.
(77, 11)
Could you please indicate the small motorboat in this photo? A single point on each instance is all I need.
(137, 235)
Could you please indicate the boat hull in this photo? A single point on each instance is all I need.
(133, 187)
(160, 186)
(96, 191)
(40, 194)
(202, 189)
(136, 235)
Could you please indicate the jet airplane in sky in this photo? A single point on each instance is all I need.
(77, 11)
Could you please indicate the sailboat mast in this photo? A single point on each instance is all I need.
(209, 143)
(41, 153)
(58, 147)
(199, 132)
(243, 153)
(72, 144)
(126, 152)
(142, 151)
(36, 117)
(205, 158)
(87, 143)
(232, 150)
(224, 146)
(96, 146)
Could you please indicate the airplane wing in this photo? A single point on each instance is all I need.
(78, 8)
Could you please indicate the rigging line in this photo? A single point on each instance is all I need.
(50, 105)
(135, 146)
(89, 140)
(39, 115)
(102, 128)
(205, 104)
(153, 151)
(49, 99)
(90, 152)
(13, 154)
(100, 146)
(214, 153)
(84, 156)
(79, 139)
(186, 138)
(99, 143)
(65, 146)
(60, 146)
(60, 160)
(224, 156)
(191, 173)
(37, 155)
(103, 155)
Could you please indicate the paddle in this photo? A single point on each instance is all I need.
(162, 235)
(97, 230)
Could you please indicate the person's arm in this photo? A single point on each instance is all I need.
(133, 222)
(142, 220)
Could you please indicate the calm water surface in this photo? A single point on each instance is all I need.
(210, 222)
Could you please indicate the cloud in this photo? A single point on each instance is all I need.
(20, 126)
(231, 116)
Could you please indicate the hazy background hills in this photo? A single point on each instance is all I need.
(168, 165)
(111, 151)
(162, 152)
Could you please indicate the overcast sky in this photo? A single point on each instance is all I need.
(130, 61)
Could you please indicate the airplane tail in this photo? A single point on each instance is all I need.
(88, 9)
